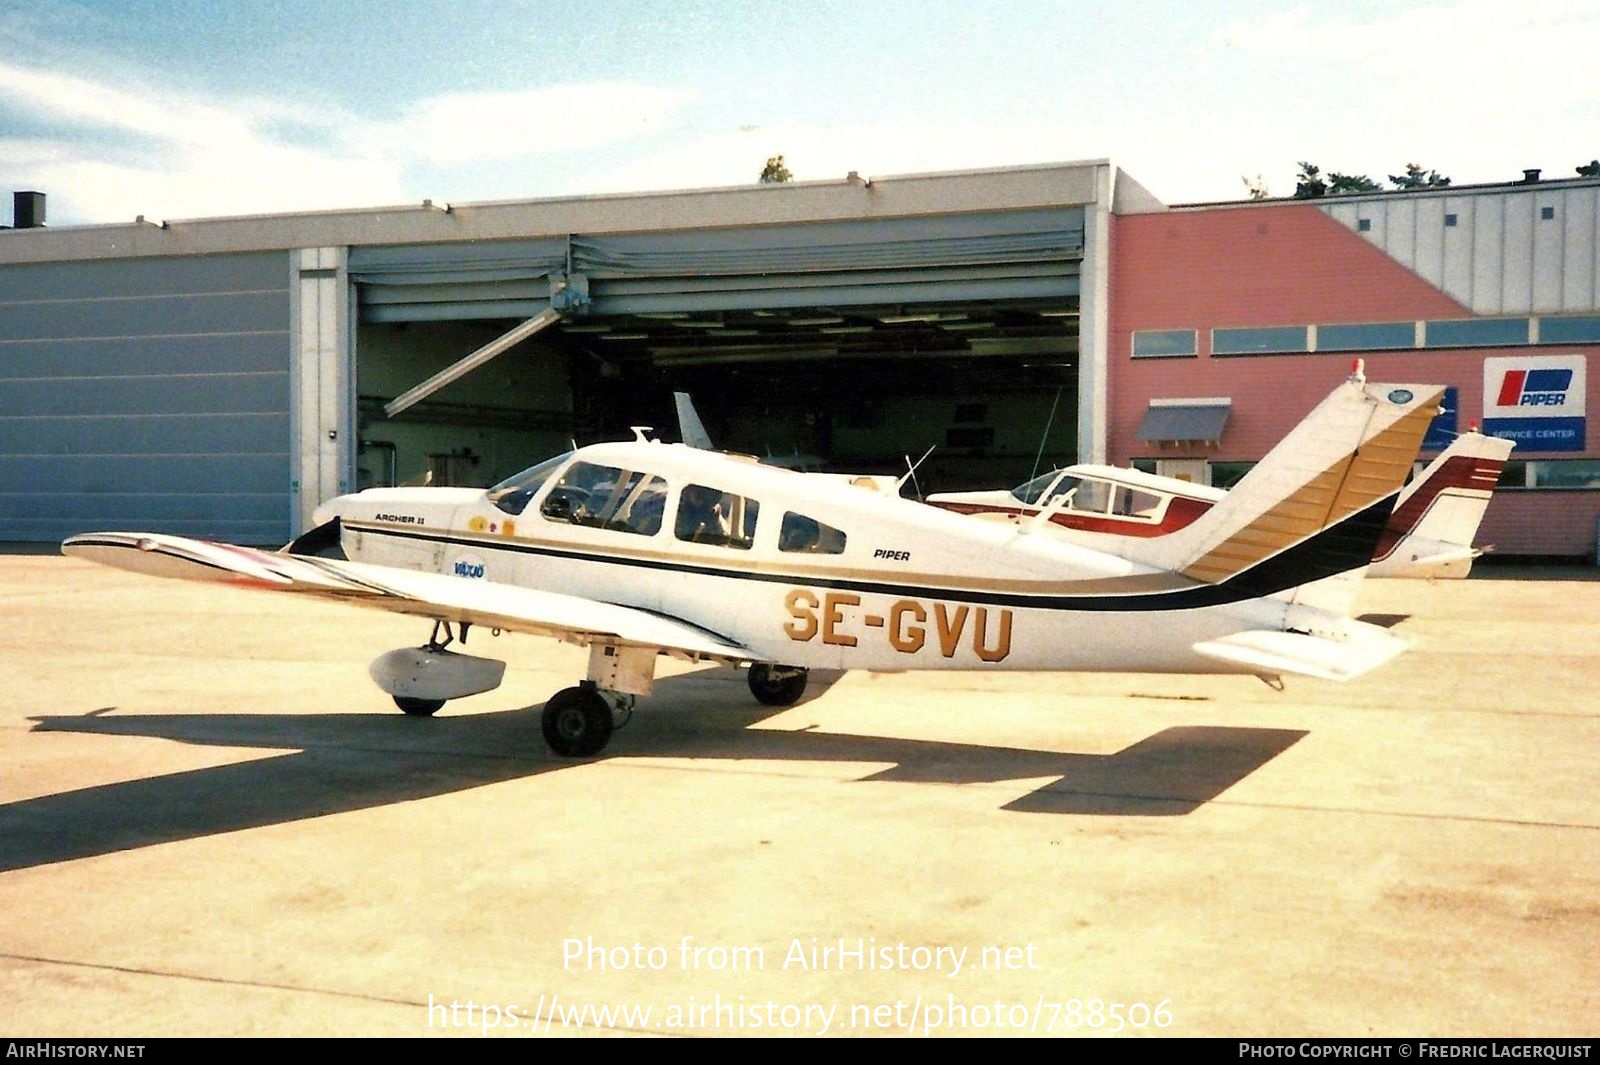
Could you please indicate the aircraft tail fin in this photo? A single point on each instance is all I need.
(689, 425)
(1437, 515)
(1315, 506)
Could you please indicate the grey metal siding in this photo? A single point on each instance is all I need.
(982, 256)
(1500, 255)
(148, 394)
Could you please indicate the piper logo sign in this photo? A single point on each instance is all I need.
(1535, 388)
(1538, 401)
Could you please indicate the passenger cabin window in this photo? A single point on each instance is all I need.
(512, 494)
(712, 516)
(804, 535)
(604, 497)
(1132, 503)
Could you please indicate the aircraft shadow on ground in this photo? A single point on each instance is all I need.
(337, 763)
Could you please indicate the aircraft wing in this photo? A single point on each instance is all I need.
(1273, 653)
(431, 595)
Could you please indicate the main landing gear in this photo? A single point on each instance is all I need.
(577, 722)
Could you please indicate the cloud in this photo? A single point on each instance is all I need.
(1442, 55)
(1476, 88)
(471, 127)
(116, 150)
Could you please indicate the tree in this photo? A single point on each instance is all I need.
(1417, 178)
(775, 171)
(1309, 183)
(1590, 169)
(1258, 187)
(1340, 184)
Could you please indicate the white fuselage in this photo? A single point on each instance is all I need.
(890, 584)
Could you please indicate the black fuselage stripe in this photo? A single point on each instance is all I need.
(1334, 550)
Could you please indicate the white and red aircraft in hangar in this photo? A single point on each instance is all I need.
(640, 549)
(1429, 534)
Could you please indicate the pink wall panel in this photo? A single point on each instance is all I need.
(1290, 264)
(1286, 264)
(1542, 523)
(1280, 265)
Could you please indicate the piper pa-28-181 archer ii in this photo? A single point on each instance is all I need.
(1428, 535)
(638, 549)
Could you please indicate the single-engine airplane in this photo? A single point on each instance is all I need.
(1429, 534)
(638, 549)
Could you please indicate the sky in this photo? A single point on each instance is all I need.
(179, 109)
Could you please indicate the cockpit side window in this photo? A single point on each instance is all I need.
(1091, 497)
(804, 535)
(1062, 487)
(712, 516)
(512, 494)
(604, 497)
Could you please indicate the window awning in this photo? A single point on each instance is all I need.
(1169, 421)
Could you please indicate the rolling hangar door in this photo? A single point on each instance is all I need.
(850, 342)
(147, 394)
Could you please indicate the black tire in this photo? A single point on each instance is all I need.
(418, 707)
(577, 722)
(777, 685)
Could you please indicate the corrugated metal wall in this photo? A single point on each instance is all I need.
(1497, 251)
(146, 394)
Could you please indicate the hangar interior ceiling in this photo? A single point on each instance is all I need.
(855, 344)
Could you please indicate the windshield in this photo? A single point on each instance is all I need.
(1044, 489)
(512, 494)
(1030, 491)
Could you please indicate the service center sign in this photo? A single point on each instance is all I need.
(1536, 400)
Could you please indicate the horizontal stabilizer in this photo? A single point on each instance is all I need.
(1448, 558)
(1276, 653)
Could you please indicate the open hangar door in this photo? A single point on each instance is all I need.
(988, 386)
(851, 342)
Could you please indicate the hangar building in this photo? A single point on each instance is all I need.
(219, 377)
